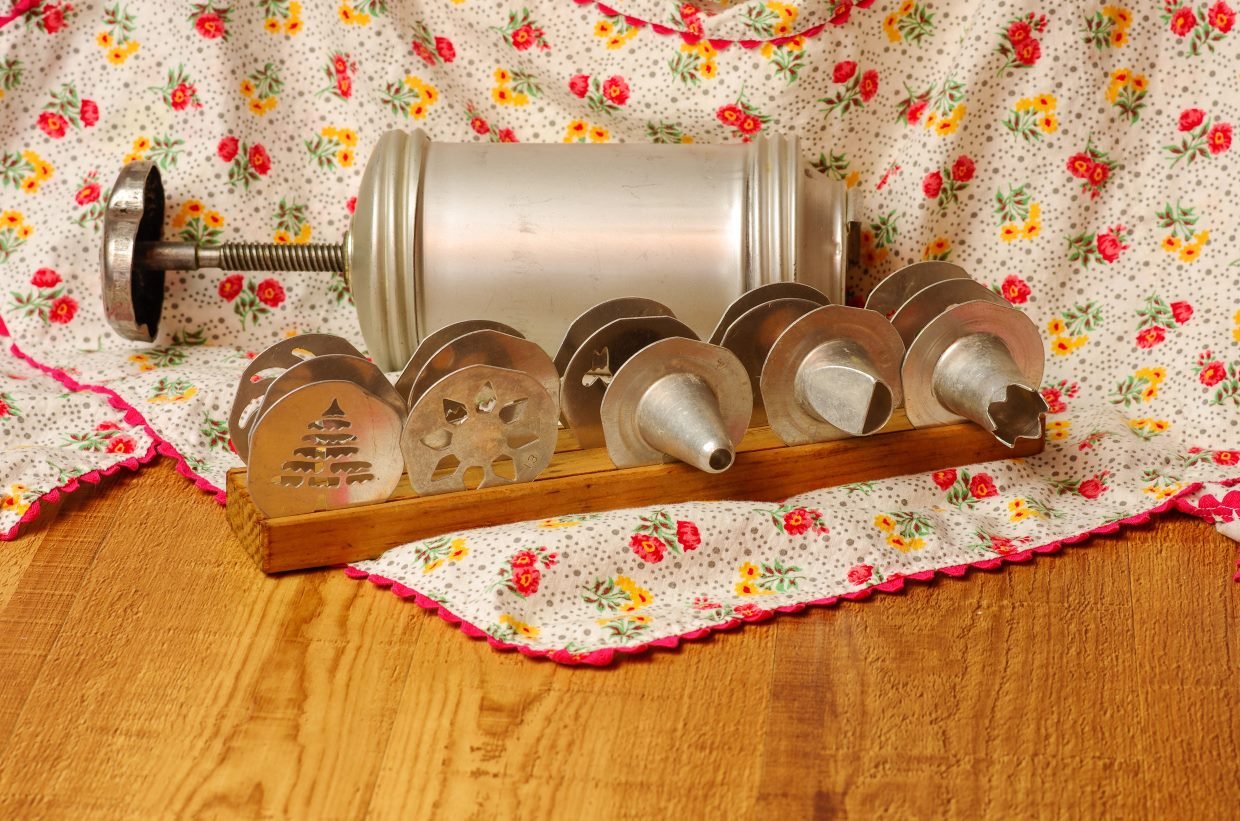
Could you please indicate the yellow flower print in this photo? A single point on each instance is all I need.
(347, 136)
(1049, 123)
(25, 231)
(1044, 103)
(303, 236)
(346, 14)
(1190, 252)
(458, 549)
(796, 43)
(117, 56)
(614, 43)
(603, 28)
(1119, 38)
(269, 103)
(418, 111)
(272, 25)
(30, 185)
(1113, 92)
(905, 8)
(1056, 327)
(852, 179)
(751, 589)
(103, 39)
(1064, 345)
(1024, 104)
(904, 544)
(293, 26)
(142, 144)
(1140, 83)
(526, 630)
(1155, 375)
(345, 157)
(1149, 392)
(1121, 76)
(885, 523)
(890, 28)
(575, 130)
(708, 70)
(1235, 334)
(520, 99)
(131, 48)
(1058, 430)
(1171, 244)
(1031, 228)
(256, 107)
(214, 219)
(936, 248)
(128, 158)
(430, 94)
(598, 134)
(1121, 16)
(501, 95)
(282, 238)
(958, 113)
(748, 570)
(11, 219)
(1009, 232)
(946, 126)
(433, 566)
(247, 88)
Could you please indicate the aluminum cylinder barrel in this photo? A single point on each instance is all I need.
(532, 235)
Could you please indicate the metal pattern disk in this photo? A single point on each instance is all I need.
(257, 378)
(481, 420)
(329, 368)
(591, 368)
(765, 293)
(487, 347)
(436, 340)
(324, 446)
(807, 343)
(720, 371)
(934, 299)
(753, 333)
(1012, 327)
(899, 285)
(598, 316)
(132, 297)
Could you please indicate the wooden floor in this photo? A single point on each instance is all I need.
(148, 670)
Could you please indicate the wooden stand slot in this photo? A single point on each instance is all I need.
(585, 481)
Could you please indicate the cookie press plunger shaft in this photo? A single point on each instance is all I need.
(527, 234)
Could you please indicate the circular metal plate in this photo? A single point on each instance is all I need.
(488, 347)
(718, 367)
(591, 368)
(869, 329)
(495, 422)
(324, 446)
(329, 368)
(761, 294)
(255, 380)
(132, 298)
(436, 340)
(1012, 327)
(600, 315)
(929, 302)
(753, 333)
(899, 285)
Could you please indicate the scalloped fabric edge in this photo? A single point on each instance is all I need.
(604, 656)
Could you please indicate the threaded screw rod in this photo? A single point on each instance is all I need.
(239, 256)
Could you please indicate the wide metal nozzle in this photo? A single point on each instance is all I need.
(679, 415)
(977, 378)
(839, 384)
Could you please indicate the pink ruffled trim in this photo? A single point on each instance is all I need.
(692, 39)
(159, 445)
(894, 584)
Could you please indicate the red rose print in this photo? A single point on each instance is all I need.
(579, 84)
(616, 90)
(181, 96)
(1098, 174)
(1091, 488)
(1019, 32)
(1151, 336)
(344, 86)
(1183, 21)
(1219, 138)
(869, 85)
(981, 486)
(1028, 52)
(45, 278)
(63, 310)
(53, 18)
(864, 4)
(844, 71)
(526, 558)
(1015, 290)
(1108, 243)
(524, 37)
(351, 204)
(507, 135)
(120, 444)
(1002, 545)
(1227, 457)
(944, 478)
(230, 286)
(480, 126)
(1054, 400)
(525, 580)
(687, 535)
(210, 25)
(932, 184)
(340, 64)
(748, 610)
(4, 408)
(647, 547)
(88, 111)
(688, 10)
(107, 426)
(962, 169)
(227, 149)
(1213, 373)
(694, 26)
(915, 111)
(860, 574)
(798, 521)
(729, 114)
(843, 10)
(1190, 118)
(1182, 312)
(270, 293)
(1081, 165)
(259, 160)
(445, 49)
(53, 124)
(749, 124)
(87, 193)
(1221, 17)
(423, 52)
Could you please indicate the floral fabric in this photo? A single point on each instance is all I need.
(1077, 157)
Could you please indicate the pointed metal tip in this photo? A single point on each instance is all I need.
(679, 416)
(1017, 415)
(853, 400)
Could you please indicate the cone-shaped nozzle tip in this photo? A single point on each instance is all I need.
(977, 379)
(840, 385)
(1017, 414)
(679, 415)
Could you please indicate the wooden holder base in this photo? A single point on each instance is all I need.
(585, 481)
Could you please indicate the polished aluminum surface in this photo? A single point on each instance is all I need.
(132, 297)
(759, 295)
(488, 347)
(934, 299)
(429, 346)
(835, 372)
(677, 399)
(899, 285)
(594, 318)
(753, 333)
(693, 226)
(479, 426)
(591, 368)
(263, 370)
(323, 446)
(1014, 360)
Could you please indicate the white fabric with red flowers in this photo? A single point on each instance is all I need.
(1077, 157)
